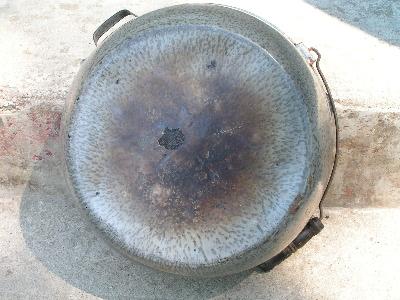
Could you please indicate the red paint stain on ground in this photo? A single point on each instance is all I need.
(7, 139)
(348, 192)
(46, 123)
(37, 157)
(35, 128)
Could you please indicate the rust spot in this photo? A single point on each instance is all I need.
(48, 152)
(294, 207)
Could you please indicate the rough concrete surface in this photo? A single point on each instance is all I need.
(50, 251)
(47, 248)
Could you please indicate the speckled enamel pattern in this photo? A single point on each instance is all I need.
(255, 149)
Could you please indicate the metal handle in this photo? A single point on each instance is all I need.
(313, 227)
(110, 22)
(333, 109)
(306, 52)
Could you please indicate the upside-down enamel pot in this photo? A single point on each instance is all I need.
(198, 139)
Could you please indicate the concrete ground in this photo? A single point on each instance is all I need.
(48, 250)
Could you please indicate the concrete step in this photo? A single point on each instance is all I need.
(367, 175)
(360, 59)
(48, 250)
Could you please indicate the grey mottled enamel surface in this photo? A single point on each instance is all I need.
(258, 140)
